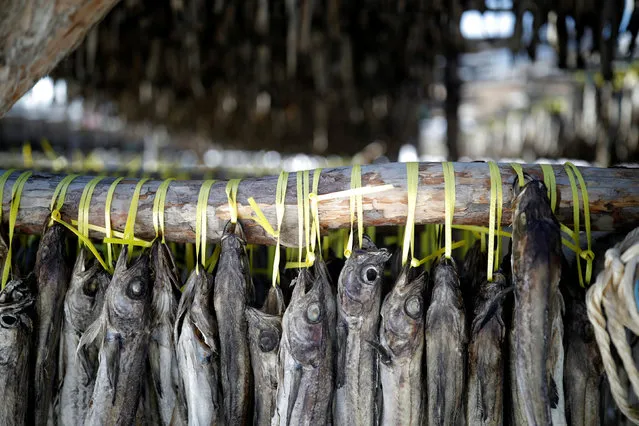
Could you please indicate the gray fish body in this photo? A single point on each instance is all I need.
(401, 348)
(123, 327)
(265, 333)
(446, 346)
(536, 348)
(305, 385)
(52, 275)
(358, 305)
(16, 328)
(162, 358)
(583, 368)
(484, 403)
(82, 305)
(233, 293)
(197, 353)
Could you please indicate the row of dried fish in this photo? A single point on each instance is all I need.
(444, 347)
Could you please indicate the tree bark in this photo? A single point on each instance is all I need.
(613, 196)
(35, 35)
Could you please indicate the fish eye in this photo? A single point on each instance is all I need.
(268, 341)
(313, 313)
(413, 307)
(8, 321)
(370, 274)
(90, 288)
(136, 289)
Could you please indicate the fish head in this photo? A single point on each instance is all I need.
(129, 293)
(50, 256)
(86, 290)
(233, 253)
(446, 281)
(530, 203)
(166, 286)
(16, 300)
(265, 330)
(306, 321)
(403, 311)
(361, 280)
(274, 303)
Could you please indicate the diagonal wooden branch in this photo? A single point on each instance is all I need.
(35, 35)
(613, 195)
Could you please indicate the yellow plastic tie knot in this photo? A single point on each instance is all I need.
(587, 255)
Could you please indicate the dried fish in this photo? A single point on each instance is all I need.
(358, 304)
(82, 305)
(233, 293)
(16, 327)
(123, 329)
(446, 341)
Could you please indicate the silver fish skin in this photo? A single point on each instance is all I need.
(359, 297)
(161, 357)
(485, 399)
(123, 330)
(265, 333)
(52, 275)
(400, 351)
(446, 346)
(233, 293)
(197, 352)
(305, 374)
(16, 327)
(82, 305)
(536, 350)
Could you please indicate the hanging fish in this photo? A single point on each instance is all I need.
(164, 303)
(52, 275)
(446, 341)
(233, 293)
(484, 402)
(265, 333)
(305, 378)
(472, 275)
(359, 297)
(583, 368)
(400, 350)
(197, 353)
(123, 330)
(82, 306)
(536, 346)
(16, 300)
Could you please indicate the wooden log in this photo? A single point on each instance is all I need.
(613, 196)
(35, 35)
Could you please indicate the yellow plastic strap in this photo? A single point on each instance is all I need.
(355, 203)
(84, 207)
(260, 218)
(107, 219)
(575, 211)
(280, 205)
(551, 184)
(412, 170)
(436, 254)
(449, 205)
(48, 150)
(16, 195)
(60, 192)
(316, 237)
(310, 256)
(587, 255)
(55, 216)
(520, 173)
(231, 195)
(200, 223)
(27, 155)
(492, 218)
(210, 264)
(300, 215)
(3, 181)
(158, 208)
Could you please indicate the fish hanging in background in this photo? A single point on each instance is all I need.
(123, 331)
(82, 305)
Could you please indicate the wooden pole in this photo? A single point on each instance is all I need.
(613, 196)
(35, 35)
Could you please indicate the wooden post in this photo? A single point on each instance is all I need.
(613, 195)
(35, 35)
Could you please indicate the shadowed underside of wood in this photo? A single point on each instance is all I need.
(613, 198)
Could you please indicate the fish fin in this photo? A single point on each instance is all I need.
(554, 394)
(479, 402)
(490, 310)
(111, 349)
(384, 356)
(342, 335)
(94, 331)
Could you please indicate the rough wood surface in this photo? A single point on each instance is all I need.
(613, 194)
(35, 35)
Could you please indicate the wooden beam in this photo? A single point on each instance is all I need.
(613, 195)
(35, 35)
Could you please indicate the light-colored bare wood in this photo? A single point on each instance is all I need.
(613, 195)
(35, 35)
